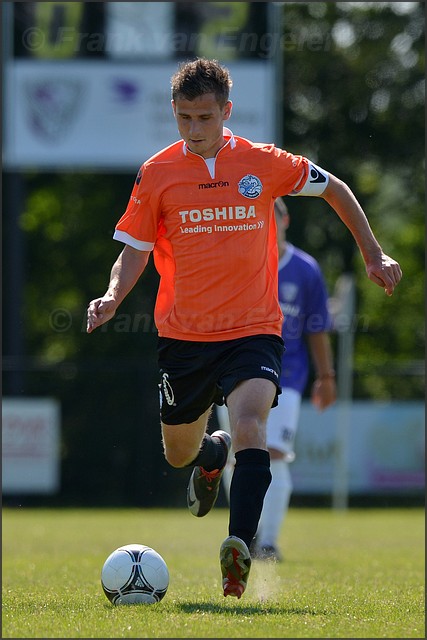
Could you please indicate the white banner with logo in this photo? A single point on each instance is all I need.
(30, 445)
(384, 442)
(115, 115)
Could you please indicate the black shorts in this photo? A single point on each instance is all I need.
(194, 375)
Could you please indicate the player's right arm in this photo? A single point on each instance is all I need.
(125, 273)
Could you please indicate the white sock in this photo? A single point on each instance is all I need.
(276, 503)
(224, 424)
(227, 475)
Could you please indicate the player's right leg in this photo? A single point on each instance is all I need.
(182, 442)
(188, 388)
(205, 481)
(189, 445)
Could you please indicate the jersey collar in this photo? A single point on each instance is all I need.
(229, 140)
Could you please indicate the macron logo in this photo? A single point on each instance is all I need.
(213, 185)
(270, 371)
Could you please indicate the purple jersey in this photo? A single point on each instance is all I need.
(303, 298)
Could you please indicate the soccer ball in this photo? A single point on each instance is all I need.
(135, 574)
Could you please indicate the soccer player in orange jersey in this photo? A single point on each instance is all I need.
(204, 207)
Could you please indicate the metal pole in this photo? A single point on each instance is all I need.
(275, 28)
(343, 317)
(13, 248)
(13, 285)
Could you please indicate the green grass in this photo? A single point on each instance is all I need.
(353, 574)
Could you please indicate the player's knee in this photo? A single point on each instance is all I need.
(248, 432)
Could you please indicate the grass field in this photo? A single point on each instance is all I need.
(353, 574)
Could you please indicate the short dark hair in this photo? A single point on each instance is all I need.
(197, 77)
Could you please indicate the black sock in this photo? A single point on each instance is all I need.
(251, 479)
(212, 454)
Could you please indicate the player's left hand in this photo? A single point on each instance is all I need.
(385, 272)
(323, 393)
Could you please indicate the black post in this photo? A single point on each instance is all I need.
(13, 285)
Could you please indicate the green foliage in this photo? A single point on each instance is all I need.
(390, 351)
(360, 575)
(68, 220)
(354, 102)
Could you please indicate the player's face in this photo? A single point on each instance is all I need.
(200, 123)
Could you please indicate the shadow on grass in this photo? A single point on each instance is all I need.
(250, 609)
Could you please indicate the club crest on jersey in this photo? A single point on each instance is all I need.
(288, 291)
(250, 186)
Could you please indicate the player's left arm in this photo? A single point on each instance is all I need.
(380, 268)
(324, 389)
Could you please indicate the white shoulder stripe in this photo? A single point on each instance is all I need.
(124, 237)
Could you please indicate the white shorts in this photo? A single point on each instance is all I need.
(282, 423)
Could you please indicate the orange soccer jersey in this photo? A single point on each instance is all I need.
(210, 224)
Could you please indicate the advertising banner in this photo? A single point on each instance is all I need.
(89, 114)
(30, 445)
(385, 448)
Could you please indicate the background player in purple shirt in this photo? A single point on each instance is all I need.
(304, 301)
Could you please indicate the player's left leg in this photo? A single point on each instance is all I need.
(248, 405)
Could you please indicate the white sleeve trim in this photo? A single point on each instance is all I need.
(316, 182)
(122, 236)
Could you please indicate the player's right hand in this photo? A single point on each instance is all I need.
(100, 311)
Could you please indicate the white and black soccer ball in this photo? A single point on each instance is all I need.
(135, 574)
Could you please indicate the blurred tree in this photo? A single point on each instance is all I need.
(353, 78)
(70, 220)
